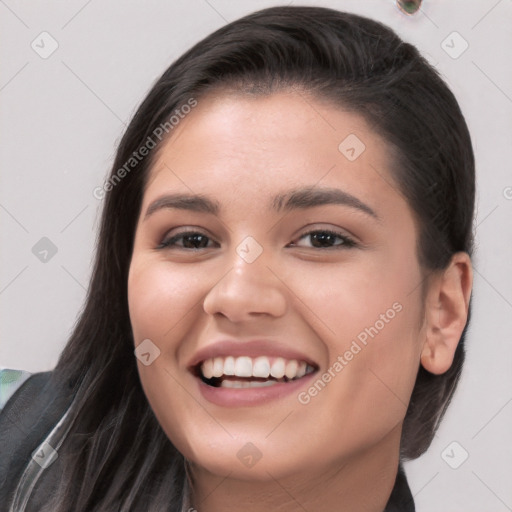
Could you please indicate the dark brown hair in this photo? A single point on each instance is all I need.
(117, 457)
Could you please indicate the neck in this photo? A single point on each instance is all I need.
(361, 483)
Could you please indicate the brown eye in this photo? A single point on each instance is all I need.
(326, 239)
(189, 240)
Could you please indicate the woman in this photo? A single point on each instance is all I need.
(285, 248)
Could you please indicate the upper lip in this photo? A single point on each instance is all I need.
(251, 348)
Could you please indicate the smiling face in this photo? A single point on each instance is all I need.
(264, 274)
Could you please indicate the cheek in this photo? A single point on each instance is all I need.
(159, 301)
(365, 391)
(370, 326)
(158, 298)
(375, 300)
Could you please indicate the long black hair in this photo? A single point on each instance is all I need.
(117, 456)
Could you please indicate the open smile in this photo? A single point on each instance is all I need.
(250, 372)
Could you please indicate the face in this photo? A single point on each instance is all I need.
(281, 308)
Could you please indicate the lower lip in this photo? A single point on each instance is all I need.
(241, 397)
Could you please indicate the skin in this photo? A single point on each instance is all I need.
(342, 447)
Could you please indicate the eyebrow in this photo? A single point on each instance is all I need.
(310, 197)
(301, 198)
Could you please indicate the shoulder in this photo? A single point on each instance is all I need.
(401, 499)
(29, 414)
(10, 381)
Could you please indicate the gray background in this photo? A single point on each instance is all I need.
(61, 118)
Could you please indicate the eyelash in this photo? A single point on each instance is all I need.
(348, 242)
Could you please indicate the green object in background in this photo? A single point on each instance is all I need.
(409, 6)
(10, 381)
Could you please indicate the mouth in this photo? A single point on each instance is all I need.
(251, 372)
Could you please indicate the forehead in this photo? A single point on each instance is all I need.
(233, 146)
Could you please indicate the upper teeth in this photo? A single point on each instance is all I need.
(261, 367)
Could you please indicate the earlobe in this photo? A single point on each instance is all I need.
(446, 313)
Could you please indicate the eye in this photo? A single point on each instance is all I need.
(319, 239)
(326, 239)
(189, 240)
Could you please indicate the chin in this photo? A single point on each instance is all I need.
(227, 463)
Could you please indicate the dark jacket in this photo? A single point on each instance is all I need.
(30, 431)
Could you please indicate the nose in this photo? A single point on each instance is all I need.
(246, 292)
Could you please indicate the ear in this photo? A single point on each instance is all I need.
(446, 314)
